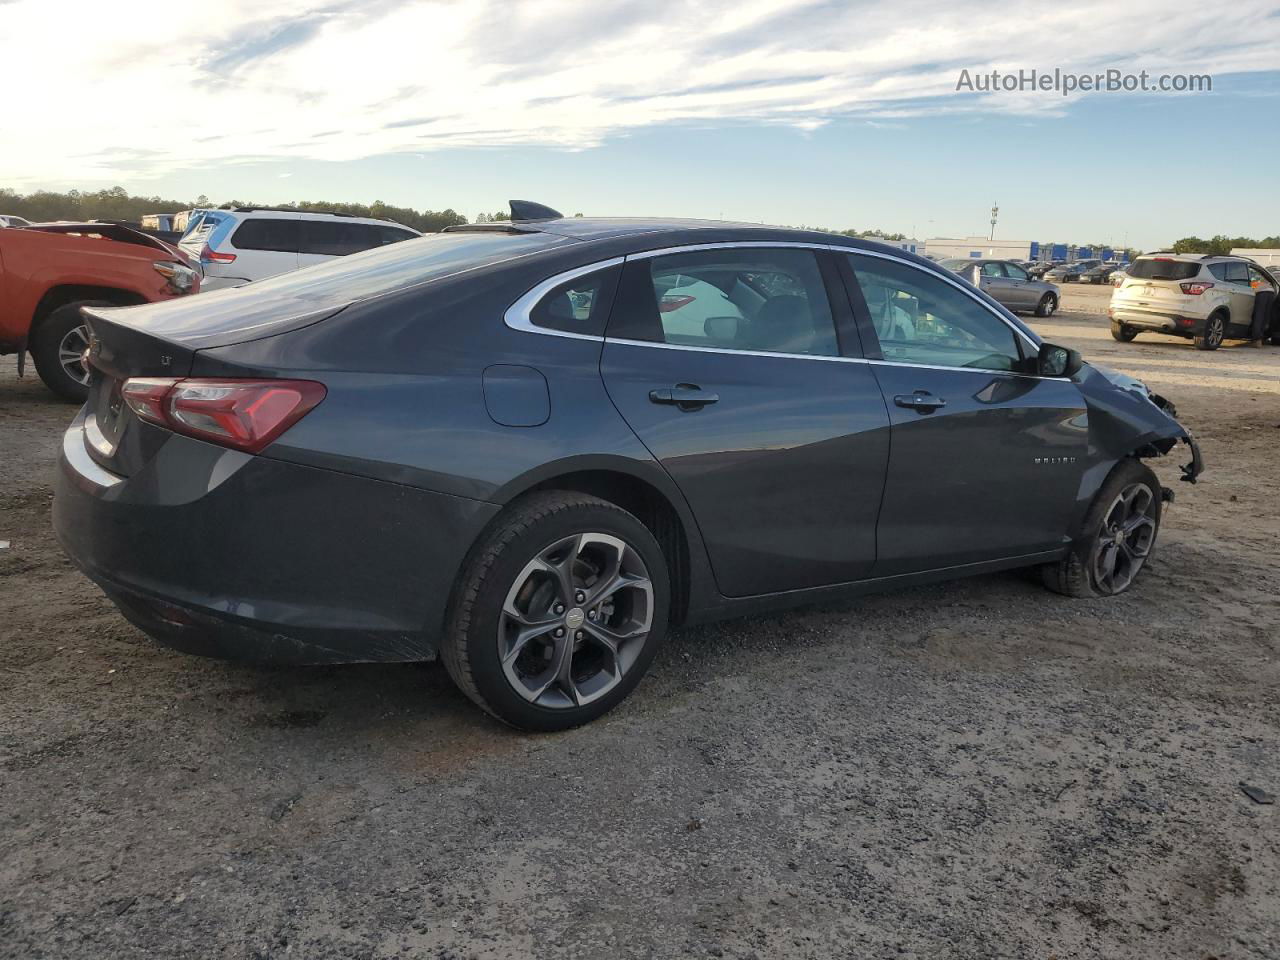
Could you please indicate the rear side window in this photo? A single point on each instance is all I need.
(1158, 269)
(760, 300)
(580, 305)
(267, 233)
(1237, 272)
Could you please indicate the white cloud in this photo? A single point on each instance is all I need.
(130, 89)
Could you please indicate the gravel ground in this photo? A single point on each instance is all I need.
(978, 769)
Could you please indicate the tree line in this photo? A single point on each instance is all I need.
(117, 204)
(1219, 245)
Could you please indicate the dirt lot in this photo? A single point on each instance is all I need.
(980, 769)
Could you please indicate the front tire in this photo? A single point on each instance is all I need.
(1117, 537)
(1123, 333)
(559, 612)
(1215, 330)
(1048, 303)
(57, 347)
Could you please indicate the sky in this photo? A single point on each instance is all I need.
(831, 114)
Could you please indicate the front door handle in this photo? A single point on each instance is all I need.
(684, 396)
(919, 401)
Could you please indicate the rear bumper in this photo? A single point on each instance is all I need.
(1162, 322)
(222, 554)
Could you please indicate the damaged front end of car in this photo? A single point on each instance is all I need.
(1127, 418)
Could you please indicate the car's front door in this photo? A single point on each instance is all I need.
(985, 460)
(726, 363)
(1022, 295)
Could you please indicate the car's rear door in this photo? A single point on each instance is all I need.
(726, 362)
(265, 244)
(985, 460)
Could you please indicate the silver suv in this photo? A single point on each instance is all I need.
(1207, 299)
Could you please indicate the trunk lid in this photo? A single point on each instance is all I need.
(161, 340)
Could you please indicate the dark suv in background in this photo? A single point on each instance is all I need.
(529, 447)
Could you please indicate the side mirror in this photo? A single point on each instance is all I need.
(1055, 361)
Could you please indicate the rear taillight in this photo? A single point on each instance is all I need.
(672, 302)
(242, 414)
(209, 255)
(1195, 287)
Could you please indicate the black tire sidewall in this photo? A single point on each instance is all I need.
(1126, 472)
(44, 349)
(481, 638)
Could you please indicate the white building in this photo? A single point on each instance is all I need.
(940, 248)
(911, 244)
(1268, 258)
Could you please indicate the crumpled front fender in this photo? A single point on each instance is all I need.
(1127, 419)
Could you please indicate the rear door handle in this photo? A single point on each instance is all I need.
(920, 401)
(685, 396)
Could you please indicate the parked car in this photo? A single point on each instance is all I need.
(1039, 269)
(252, 243)
(49, 271)
(1010, 284)
(160, 222)
(541, 460)
(12, 220)
(1070, 272)
(1099, 274)
(1206, 299)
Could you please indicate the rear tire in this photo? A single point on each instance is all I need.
(1215, 330)
(1047, 305)
(55, 346)
(526, 640)
(1123, 333)
(1099, 565)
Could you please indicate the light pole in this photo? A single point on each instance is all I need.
(995, 212)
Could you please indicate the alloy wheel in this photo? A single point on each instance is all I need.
(1125, 540)
(71, 349)
(1214, 331)
(575, 620)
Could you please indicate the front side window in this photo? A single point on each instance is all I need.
(920, 318)
(1015, 272)
(736, 298)
(1260, 280)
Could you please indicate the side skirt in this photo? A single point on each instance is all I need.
(726, 607)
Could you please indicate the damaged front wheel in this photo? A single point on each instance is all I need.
(1118, 536)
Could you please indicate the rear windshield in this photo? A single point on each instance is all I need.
(382, 270)
(1156, 269)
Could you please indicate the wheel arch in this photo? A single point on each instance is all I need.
(65, 293)
(648, 494)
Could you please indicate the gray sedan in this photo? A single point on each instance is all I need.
(1008, 283)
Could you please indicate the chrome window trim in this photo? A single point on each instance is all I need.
(519, 315)
(622, 341)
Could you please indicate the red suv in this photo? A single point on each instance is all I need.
(49, 271)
